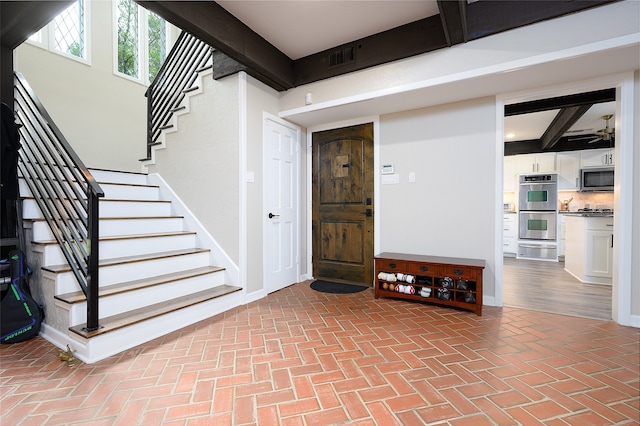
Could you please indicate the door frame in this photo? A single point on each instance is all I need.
(623, 196)
(265, 185)
(376, 180)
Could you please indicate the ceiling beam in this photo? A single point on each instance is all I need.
(211, 23)
(588, 98)
(560, 124)
(424, 35)
(494, 16)
(453, 15)
(20, 19)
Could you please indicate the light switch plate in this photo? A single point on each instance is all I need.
(390, 179)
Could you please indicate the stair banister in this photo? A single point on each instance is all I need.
(177, 73)
(59, 182)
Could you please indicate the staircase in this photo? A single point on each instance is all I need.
(158, 272)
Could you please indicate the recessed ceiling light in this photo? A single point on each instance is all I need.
(510, 135)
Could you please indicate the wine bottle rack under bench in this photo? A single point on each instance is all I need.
(446, 281)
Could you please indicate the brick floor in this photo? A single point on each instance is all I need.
(299, 357)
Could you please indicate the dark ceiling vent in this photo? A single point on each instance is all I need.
(342, 56)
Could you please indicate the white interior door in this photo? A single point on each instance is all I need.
(282, 172)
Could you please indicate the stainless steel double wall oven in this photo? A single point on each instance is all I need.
(537, 207)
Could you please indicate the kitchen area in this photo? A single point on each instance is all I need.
(538, 213)
(558, 230)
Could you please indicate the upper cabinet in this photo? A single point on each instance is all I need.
(568, 167)
(510, 173)
(536, 163)
(598, 157)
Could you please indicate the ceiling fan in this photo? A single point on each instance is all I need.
(606, 134)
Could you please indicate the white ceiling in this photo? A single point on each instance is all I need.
(532, 126)
(302, 27)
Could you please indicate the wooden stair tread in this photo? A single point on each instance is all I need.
(130, 259)
(78, 296)
(135, 316)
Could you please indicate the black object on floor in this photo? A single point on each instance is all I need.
(336, 288)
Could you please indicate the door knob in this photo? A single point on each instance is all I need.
(271, 215)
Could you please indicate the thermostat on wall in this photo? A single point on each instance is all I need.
(387, 169)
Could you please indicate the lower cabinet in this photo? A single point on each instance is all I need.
(509, 235)
(443, 281)
(589, 249)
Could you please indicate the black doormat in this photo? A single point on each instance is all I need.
(336, 288)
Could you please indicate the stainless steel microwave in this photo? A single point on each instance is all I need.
(596, 179)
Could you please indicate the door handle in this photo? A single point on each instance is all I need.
(271, 215)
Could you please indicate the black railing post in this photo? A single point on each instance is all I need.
(93, 280)
(188, 56)
(65, 191)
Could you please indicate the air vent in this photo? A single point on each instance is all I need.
(341, 57)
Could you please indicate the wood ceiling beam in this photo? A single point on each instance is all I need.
(560, 124)
(20, 19)
(211, 23)
(588, 98)
(424, 35)
(494, 16)
(453, 15)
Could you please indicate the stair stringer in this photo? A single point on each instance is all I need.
(184, 108)
(218, 256)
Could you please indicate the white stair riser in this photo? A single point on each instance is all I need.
(66, 282)
(109, 208)
(106, 345)
(52, 253)
(133, 226)
(124, 302)
(119, 227)
(30, 209)
(118, 177)
(128, 192)
(113, 191)
(133, 208)
(25, 192)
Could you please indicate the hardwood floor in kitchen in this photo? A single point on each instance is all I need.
(547, 287)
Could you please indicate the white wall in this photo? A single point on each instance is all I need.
(201, 161)
(101, 115)
(635, 231)
(449, 210)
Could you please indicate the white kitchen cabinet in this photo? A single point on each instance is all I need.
(598, 157)
(568, 167)
(589, 249)
(536, 163)
(509, 236)
(510, 174)
(562, 232)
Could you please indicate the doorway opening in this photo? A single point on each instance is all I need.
(560, 136)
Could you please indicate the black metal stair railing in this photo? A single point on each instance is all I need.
(65, 191)
(188, 56)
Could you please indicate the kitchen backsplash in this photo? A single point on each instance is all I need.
(593, 200)
(581, 200)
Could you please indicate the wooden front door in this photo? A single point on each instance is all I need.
(342, 206)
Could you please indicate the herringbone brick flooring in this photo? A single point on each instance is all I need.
(299, 357)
